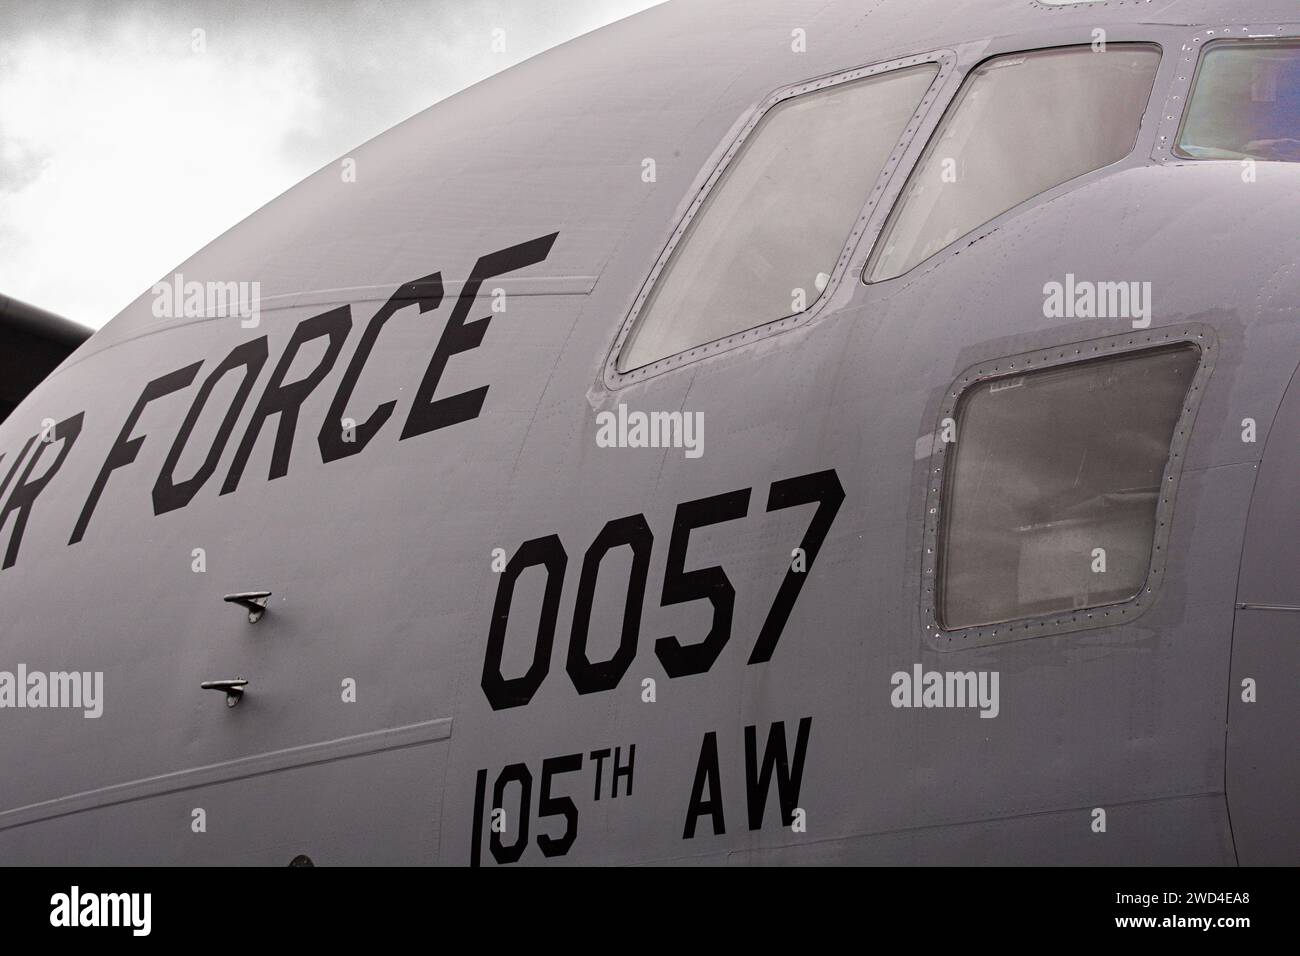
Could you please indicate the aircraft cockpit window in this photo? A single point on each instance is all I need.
(1051, 500)
(769, 235)
(1245, 103)
(1020, 125)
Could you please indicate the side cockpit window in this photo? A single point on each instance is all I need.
(1059, 484)
(1245, 103)
(767, 238)
(1020, 125)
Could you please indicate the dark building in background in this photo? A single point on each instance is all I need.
(32, 344)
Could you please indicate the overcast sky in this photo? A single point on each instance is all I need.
(124, 149)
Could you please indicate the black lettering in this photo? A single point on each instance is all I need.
(427, 294)
(706, 772)
(599, 756)
(461, 336)
(587, 677)
(623, 771)
(13, 469)
(709, 584)
(169, 495)
(788, 779)
(824, 488)
(286, 400)
(515, 773)
(476, 836)
(515, 692)
(549, 806)
(125, 448)
(24, 494)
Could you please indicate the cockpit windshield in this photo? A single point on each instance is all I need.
(1245, 103)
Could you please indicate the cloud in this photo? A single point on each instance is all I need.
(129, 140)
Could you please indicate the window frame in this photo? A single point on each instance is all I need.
(945, 59)
(1206, 47)
(1178, 93)
(1071, 4)
(954, 103)
(938, 475)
